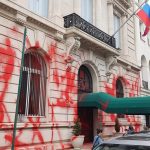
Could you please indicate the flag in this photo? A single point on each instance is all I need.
(144, 15)
(146, 31)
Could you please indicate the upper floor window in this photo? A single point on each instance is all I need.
(87, 10)
(33, 86)
(142, 29)
(144, 72)
(39, 6)
(117, 36)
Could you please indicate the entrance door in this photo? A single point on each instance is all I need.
(85, 85)
(119, 93)
(148, 121)
(86, 118)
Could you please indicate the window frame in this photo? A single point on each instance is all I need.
(142, 28)
(38, 7)
(119, 33)
(85, 13)
(31, 72)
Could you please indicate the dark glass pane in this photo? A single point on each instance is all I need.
(34, 94)
(85, 84)
(119, 89)
(119, 93)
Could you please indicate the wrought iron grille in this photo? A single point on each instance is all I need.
(33, 86)
(85, 84)
(145, 84)
(78, 22)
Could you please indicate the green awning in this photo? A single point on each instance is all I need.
(110, 104)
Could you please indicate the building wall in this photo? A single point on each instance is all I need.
(142, 51)
(48, 36)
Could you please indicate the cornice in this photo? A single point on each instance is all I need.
(89, 42)
(124, 3)
(7, 8)
(121, 5)
(23, 16)
(129, 66)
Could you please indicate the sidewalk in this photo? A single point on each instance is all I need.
(86, 146)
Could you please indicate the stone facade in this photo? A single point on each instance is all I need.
(143, 54)
(64, 51)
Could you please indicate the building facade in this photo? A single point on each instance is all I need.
(142, 47)
(69, 51)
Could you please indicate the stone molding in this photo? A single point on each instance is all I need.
(72, 45)
(8, 9)
(121, 5)
(20, 19)
(59, 36)
(23, 16)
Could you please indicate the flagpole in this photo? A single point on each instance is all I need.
(128, 19)
(19, 89)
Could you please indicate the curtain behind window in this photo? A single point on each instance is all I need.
(87, 10)
(39, 7)
(116, 27)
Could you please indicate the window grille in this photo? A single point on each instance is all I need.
(85, 84)
(33, 86)
(119, 93)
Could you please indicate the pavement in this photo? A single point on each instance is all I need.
(86, 146)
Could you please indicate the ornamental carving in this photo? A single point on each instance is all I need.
(72, 45)
(110, 62)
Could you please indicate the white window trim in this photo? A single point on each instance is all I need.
(120, 31)
(142, 28)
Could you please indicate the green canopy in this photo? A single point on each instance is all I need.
(110, 104)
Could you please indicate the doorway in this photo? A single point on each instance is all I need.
(148, 121)
(85, 85)
(119, 93)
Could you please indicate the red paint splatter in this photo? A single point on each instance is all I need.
(37, 45)
(104, 104)
(111, 90)
(5, 74)
(28, 44)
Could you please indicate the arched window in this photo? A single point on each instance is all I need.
(85, 84)
(144, 72)
(119, 93)
(119, 89)
(33, 86)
